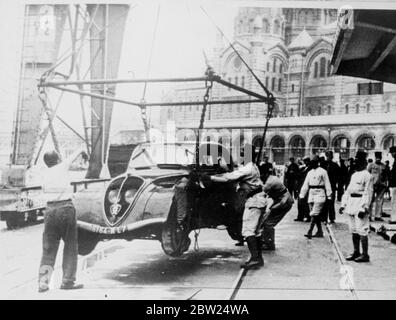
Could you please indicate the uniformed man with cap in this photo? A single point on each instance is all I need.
(282, 201)
(356, 202)
(317, 185)
(248, 177)
(380, 182)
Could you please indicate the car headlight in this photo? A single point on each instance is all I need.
(130, 195)
(113, 196)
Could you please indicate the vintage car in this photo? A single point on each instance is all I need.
(160, 197)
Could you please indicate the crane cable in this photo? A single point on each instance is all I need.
(270, 96)
(143, 108)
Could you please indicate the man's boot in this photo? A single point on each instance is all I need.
(309, 234)
(268, 243)
(356, 249)
(254, 262)
(319, 233)
(364, 257)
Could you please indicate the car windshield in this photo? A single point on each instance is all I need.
(148, 155)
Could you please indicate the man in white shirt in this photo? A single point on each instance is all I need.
(317, 184)
(356, 202)
(59, 223)
(249, 180)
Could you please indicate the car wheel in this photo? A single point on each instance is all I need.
(87, 242)
(174, 237)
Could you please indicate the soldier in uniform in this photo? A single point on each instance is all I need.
(249, 180)
(282, 202)
(317, 185)
(356, 202)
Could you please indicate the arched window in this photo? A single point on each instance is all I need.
(229, 80)
(297, 147)
(291, 112)
(281, 68)
(329, 109)
(292, 87)
(170, 115)
(273, 84)
(366, 143)
(346, 109)
(387, 107)
(268, 66)
(266, 82)
(328, 68)
(389, 141)
(368, 108)
(266, 26)
(236, 81)
(243, 81)
(274, 65)
(319, 111)
(315, 70)
(276, 27)
(342, 146)
(357, 108)
(251, 23)
(322, 72)
(280, 84)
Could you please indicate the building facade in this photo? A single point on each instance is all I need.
(290, 51)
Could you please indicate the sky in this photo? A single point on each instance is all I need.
(183, 32)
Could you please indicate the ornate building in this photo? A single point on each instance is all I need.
(290, 51)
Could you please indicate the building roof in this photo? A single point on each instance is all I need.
(303, 40)
(365, 45)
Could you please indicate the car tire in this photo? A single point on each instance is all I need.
(174, 237)
(87, 242)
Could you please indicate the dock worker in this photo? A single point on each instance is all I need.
(282, 201)
(356, 202)
(317, 185)
(59, 223)
(248, 177)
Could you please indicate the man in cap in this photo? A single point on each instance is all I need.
(333, 171)
(282, 202)
(356, 202)
(59, 223)
(392, 185)
(248, 176)
(380, 182)
(317, 185)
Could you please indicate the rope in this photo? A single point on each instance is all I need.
(143, 108)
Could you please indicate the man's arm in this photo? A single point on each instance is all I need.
(230, 176)
(327, 185)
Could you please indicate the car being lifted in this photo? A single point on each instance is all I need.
(160, 197)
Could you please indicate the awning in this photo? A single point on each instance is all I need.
(365, 45)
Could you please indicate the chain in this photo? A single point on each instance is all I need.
(143, 113)
(208, 85)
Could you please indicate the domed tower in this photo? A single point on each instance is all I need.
(268, 24)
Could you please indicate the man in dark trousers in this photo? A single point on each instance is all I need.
(59, 223)
(392, 185)
(302, 205)
(282, 202)
(333, 171)
(291, 176)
